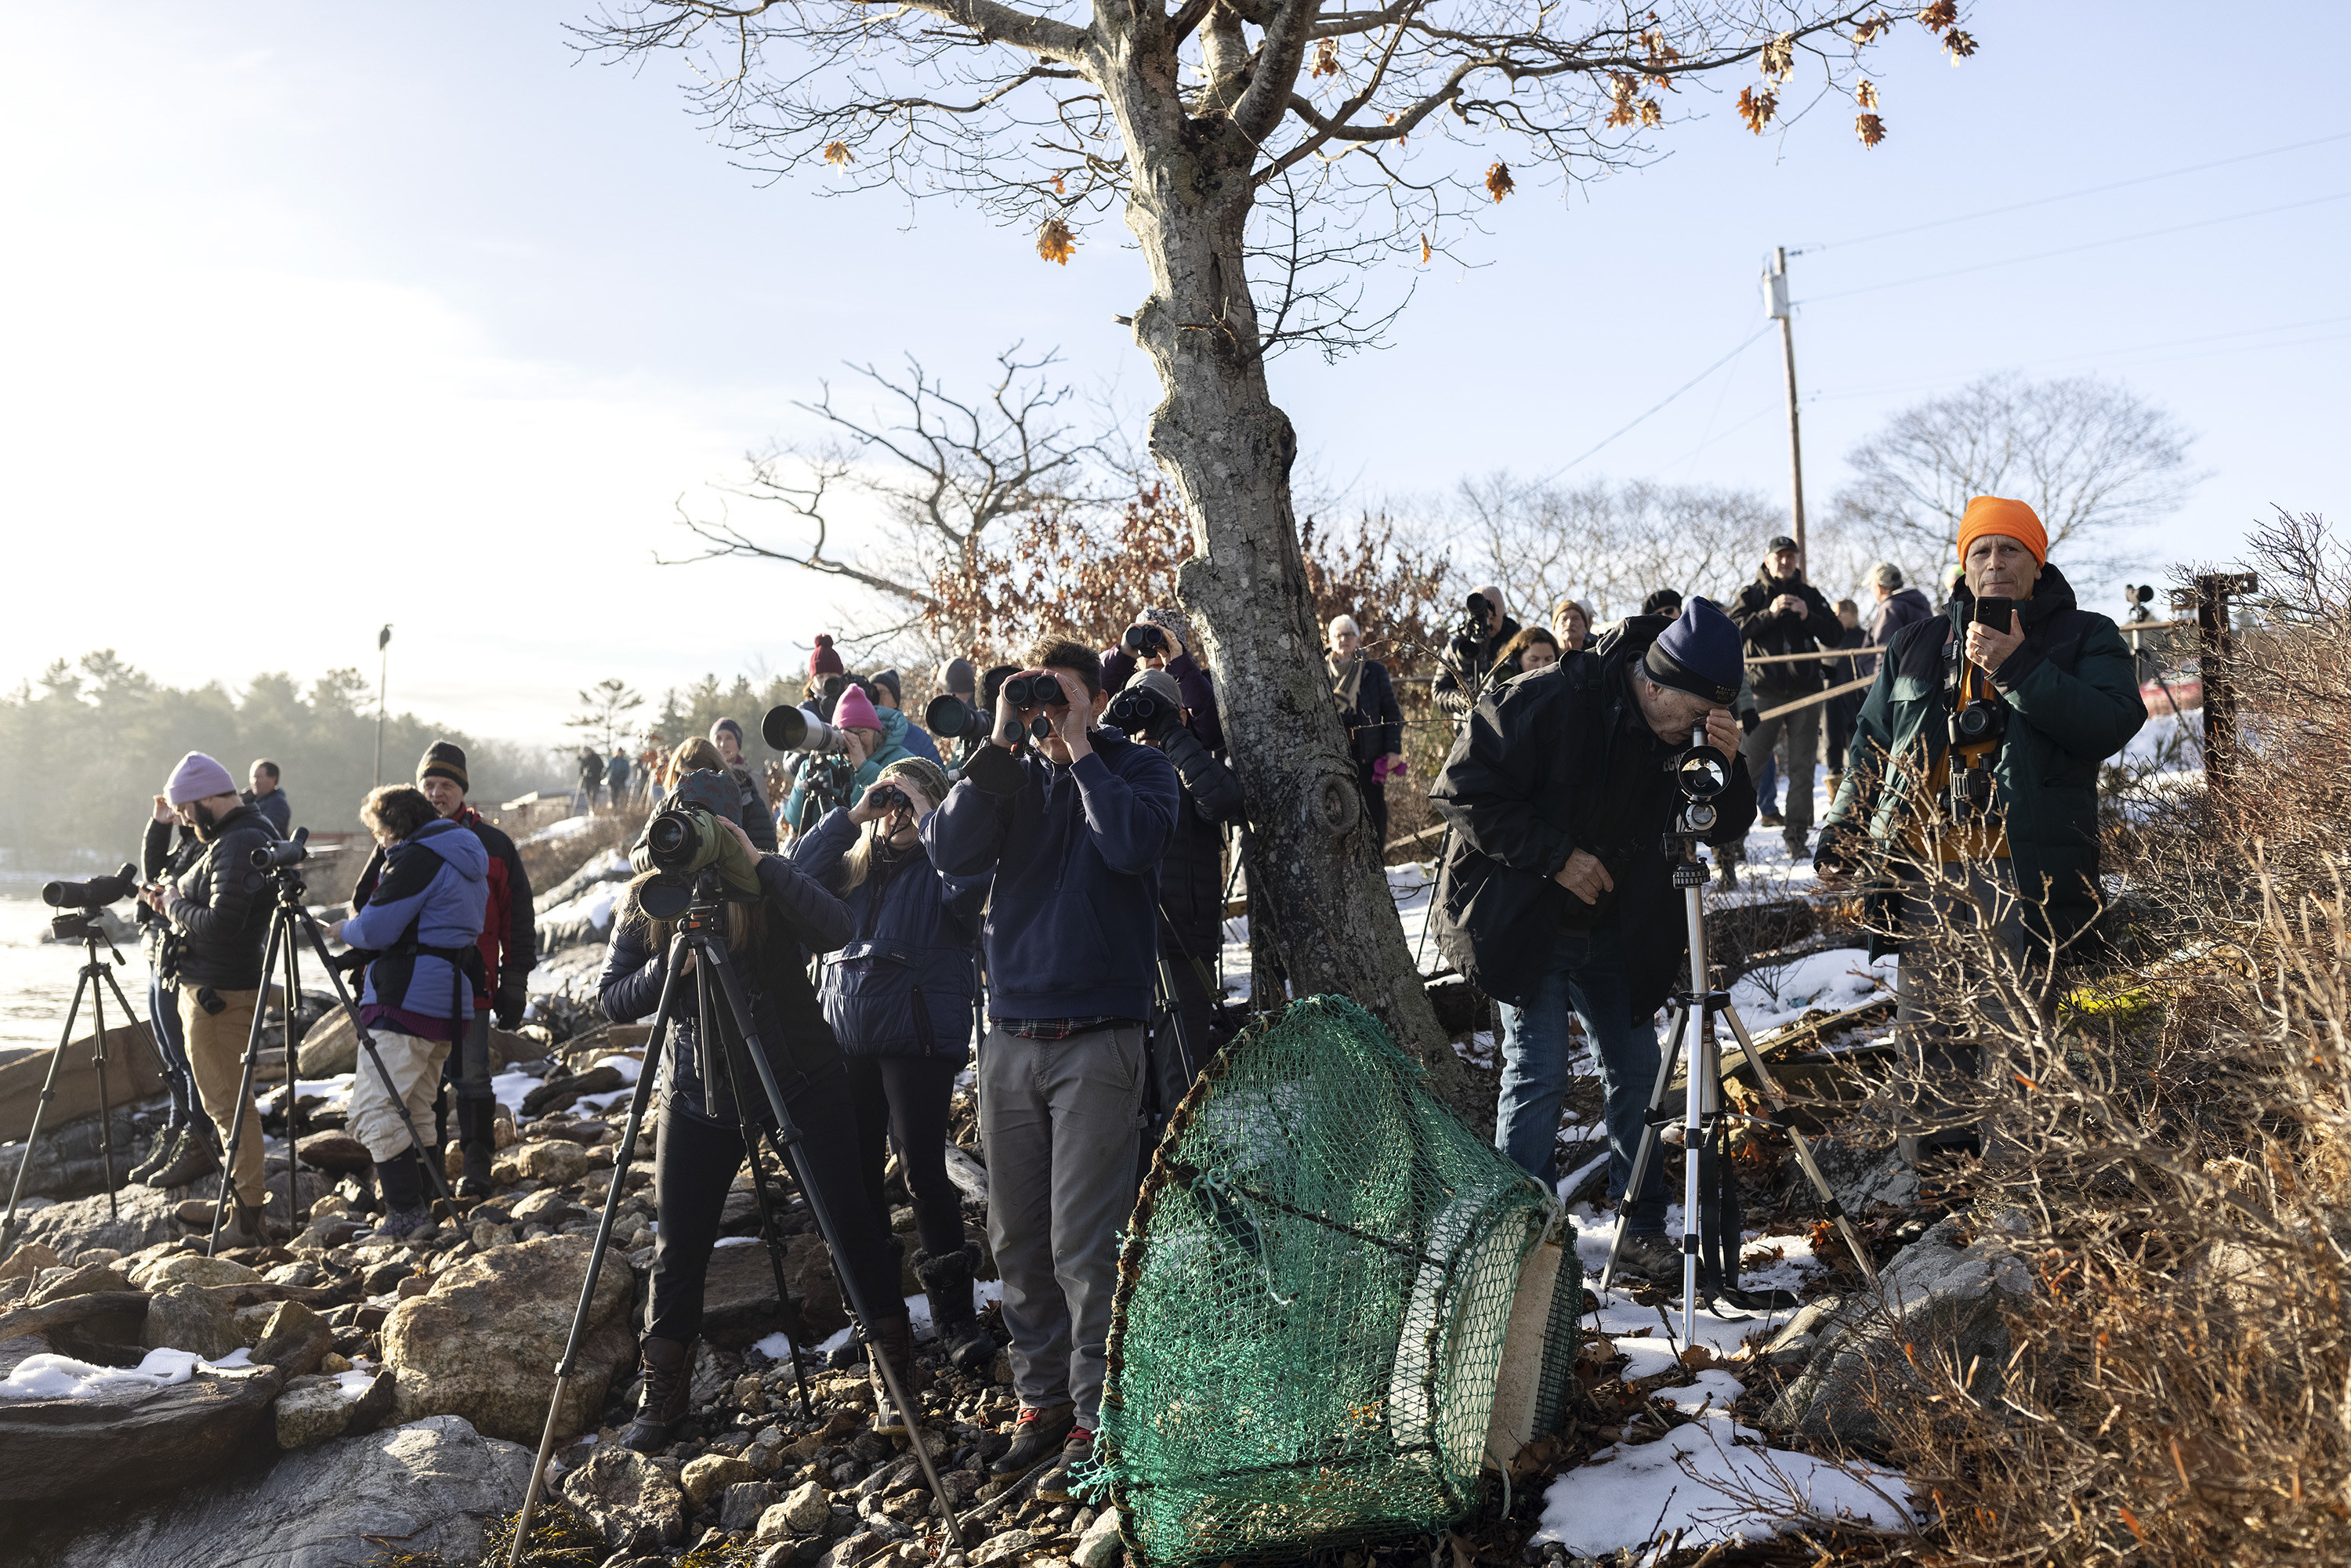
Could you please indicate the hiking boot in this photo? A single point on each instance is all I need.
(1768, 818)
(1038, 1437)
(1649, 1259)
(664, 1398)
(478, 1134)
(1797, 849)
(159, 1154)
(240, 1226)
(1078, 1450)
(192, 1160)
(946, 1285)
(893, 1338)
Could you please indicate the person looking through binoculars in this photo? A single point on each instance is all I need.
(1156, 642)
(899, 996)
(774, 915)
(1074, 826)
(418, 930)
(218, 923)
(1479, 638)
(1556, 896)
(1972, 783)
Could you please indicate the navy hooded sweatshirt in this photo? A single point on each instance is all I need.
(436, 881)
(1072, 922)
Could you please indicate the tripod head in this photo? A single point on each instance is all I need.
(81, 926)
(1701, 774)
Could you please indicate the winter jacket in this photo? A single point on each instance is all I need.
(220, 906)
(1466, 666)
(1528, 784)
(276, 810)
(431, 892)
(2071, 693)
(918, 741)
(796, 915)
(509, 939)
(758, 821)
(162, 860)
(1904, 607)
(1118, 667)
(1375, 727)
(1076, 852)
(1770, 631)
(894, 726)
(905, 983)
(1192, 876)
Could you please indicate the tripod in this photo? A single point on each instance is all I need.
(702, 936)
(287, 916)
(80, 923)
(1711, 1225)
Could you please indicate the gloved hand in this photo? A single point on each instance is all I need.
(513, 998)
(738, 861)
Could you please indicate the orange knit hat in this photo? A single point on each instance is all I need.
(2011, 519)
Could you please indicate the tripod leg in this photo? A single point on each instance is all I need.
(1428, 917)
(129, 1015)
(1772, 1092)
(1648, 1149)
(367, 1043)
(748, 1124)
(787, 1132)
(293, 1085)
(98, 1065)
(245, 1090)
(621, 1157)
(33, 1134)
(1697, 1108)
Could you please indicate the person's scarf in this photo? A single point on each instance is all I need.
(1346, 681)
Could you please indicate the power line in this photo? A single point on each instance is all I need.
(2109, 354)
(1666, 398)
(2075, 195)
(2074, 249)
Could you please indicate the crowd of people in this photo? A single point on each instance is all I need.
(1045, 893)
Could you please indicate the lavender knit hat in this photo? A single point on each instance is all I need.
(197, 777)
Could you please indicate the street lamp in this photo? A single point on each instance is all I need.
(384, 664)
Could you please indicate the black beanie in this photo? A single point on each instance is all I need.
(443, 760)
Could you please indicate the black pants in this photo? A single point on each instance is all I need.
(905, 1098)
(1843, 713)
(1376, 801)
(694, 1161)
(1195, 1009)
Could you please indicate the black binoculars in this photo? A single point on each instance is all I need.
(1040, 688)
(1145, 639)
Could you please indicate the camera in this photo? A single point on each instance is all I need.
(950, 717)
(1146, 641)
(2138, 595)
(682, 839)
(790, 728)
(1481, 616)
(91, 894)
(285, 852)
(1984, 719)
(1040, 688)
(1138, 710)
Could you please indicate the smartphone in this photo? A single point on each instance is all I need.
(1997, 614)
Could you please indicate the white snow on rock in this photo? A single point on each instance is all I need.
(53, 1377)
(1840, 979)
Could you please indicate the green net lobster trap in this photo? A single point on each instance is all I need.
(1335, 1302)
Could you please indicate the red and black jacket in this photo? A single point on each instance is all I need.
(509, 940)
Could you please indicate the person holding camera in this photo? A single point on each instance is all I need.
(1367, 708)
(899, 996)
(869, 750)
(264, 796)
(1972, 781)
(183, 1149)
(1556, 898)
(776, 915)
(1075, 829)
(218, 916)
(1780, 612)
(1486, 628)
(418, 930)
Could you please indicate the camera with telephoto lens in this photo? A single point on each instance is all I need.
(790, 728)
(1146, 641)
(681, 840)
(1040, 688)
(1475, 624)
(97, 893)
(1140, 711)
(950, 717)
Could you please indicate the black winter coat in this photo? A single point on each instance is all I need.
(162, 860)
(1524, 788)
(1468, 663)
(1375, 724)
(220, 906)
(773, 969)
(1770, 631)
(1191, 879)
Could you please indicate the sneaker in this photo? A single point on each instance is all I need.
(1039, 1435)
(1647, 1256)
(1077, 1449)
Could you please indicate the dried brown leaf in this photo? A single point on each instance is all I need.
(838, 154)
(1425, 251)
(1870, 128)
(1939, 14)
(1055, 242)
(1779, 58)
(1499, 183)
(1326, 59)
(1651, 114)
(1756, 108)
(1959, 45)
(1866, 94)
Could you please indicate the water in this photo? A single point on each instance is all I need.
(37, 977)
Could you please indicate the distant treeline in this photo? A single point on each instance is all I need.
(85, 748)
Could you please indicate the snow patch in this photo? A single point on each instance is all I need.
(53, 1377)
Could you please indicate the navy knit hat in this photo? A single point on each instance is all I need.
(1697, 653)
(726, 724)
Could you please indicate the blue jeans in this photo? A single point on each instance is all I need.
(1584, 977)
(163, 1023)
(1767, 785)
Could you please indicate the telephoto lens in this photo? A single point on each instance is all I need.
(790, 728)
(90, 894)
(677, 835)
(951, 718)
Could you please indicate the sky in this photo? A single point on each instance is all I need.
(324, 317)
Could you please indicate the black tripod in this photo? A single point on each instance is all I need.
(702, 936)
(1710, 1219)
(287, 916)
(76, 924)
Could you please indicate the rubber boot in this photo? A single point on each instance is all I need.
(478, 1135)
(402, 1186)
(947, 1286)
(664, 1397)
(893, 1338)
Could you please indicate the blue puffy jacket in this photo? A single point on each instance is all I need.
(433, 892)
(904, 984)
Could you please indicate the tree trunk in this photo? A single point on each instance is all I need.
(1316, 880)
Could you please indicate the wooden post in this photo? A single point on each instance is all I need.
(2215, 644)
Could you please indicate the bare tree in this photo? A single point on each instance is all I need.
(1357, 122)
(1610, 546)
(2091, 458)
(604, 712)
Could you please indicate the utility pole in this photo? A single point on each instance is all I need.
(382, 668)
(1776, 294)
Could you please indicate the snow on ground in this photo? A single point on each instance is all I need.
(779, 1347)
(1770, 998)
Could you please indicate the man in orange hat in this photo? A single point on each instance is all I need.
(1972, 782)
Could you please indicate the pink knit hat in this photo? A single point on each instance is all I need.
(197, 777)
(856, 710)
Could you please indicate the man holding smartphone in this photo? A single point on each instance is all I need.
(1971, 784)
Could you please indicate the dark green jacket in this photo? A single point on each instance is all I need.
(2072, 691)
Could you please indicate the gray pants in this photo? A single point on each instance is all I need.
(1939, 1008)
(1060, 1122)
(1802, 728)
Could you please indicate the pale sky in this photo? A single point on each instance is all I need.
(319, 317)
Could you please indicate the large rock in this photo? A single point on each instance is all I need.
(192, 1269)
(86, 1280)
(115, 1446)
(146, 1218)
(294, 1339)
(556, 1161)
(189, 1317)
(132, 1075)
(330, 1046)
(633, 1501)
(316, 1408)
(738, 1294)
(483, 1341)
(333, 1151)
(29, 1260)
(705, 1477)
(1939, 1299)
(422, 1488)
